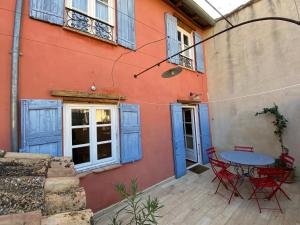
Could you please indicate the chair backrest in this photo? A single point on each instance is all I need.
(288, 160)
(217, 165)
(277, 173)
(211, 153)
(243, 148)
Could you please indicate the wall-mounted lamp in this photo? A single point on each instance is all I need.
(93, 87)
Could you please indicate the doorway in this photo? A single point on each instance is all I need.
(191, 137)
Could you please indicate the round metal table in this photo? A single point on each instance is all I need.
(247, 158)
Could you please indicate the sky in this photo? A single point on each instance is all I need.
(224, 6)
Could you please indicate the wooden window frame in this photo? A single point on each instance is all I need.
(94, 162)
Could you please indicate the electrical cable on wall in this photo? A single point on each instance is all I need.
(128, 52)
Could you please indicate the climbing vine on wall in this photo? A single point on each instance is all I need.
(280, 124)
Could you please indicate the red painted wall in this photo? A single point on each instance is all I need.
(57, 59)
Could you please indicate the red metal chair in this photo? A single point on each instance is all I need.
(287, 160)
(211, 154)
(243, 148)
(267, 180)
(225, 177)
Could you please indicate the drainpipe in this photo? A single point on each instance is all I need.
(15, 77)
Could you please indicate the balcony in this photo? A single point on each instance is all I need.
(186, 62)
(78, 21)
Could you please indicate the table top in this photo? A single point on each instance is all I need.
(247, 158)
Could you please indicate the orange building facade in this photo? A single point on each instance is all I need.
(54, 58)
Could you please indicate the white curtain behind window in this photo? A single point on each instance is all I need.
(80, 5)
(102, 10)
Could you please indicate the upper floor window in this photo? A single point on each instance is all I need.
(95, 17)
(180, 37)
(185, 39)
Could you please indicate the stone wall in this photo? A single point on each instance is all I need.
(252, 67)
(38, 189)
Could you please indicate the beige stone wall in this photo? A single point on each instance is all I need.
(252, 67)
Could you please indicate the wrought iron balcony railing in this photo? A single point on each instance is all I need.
(186, 62)
(86, 24)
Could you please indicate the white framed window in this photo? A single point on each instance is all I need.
(185, 39)
(99, 9)
(91, 135)
(95, 17)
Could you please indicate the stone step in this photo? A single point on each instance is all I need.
(30, 218)
(61, 172)
(83, 217)
(21, 155)
(71, 200)
(64, 162)
(60, 184)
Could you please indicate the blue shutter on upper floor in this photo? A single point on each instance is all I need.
(178, 140)
(126, 23)
(51, 11)
(204, 131)
(131, 144)
(199, 54)
(41, 126)
(172, 39)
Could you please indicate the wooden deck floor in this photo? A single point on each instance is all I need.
(191, 201)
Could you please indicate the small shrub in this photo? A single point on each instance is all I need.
(140, 211)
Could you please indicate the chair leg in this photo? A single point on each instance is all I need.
(218, 186)
(234, 190)
(283, 192)
(256, 198)
(214, 179)
(278, 203)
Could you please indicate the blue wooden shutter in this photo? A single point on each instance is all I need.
(204, 131)
(172, 39)
(199, 54)
(41, 125)
(178, 140)
(126, 24)
(131, 144)
(51, 11)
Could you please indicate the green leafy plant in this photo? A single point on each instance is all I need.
(280, 124)
(140, 211)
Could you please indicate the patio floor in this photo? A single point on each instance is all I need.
(191, 201)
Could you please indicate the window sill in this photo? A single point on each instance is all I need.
(183, 67)
(98, 170)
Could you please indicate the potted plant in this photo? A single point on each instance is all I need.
(280, 124)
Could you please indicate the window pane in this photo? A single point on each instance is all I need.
(189, 142)
(80, 117)
(103, 116)
(80, 136)
(80, 5)
(187, 116)
(103, 133)
(185, 40)
(101, 10)
(188, 129)
(81, 155)
(104, 151)
(179, 36)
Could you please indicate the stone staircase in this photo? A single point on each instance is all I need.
(36, 189)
